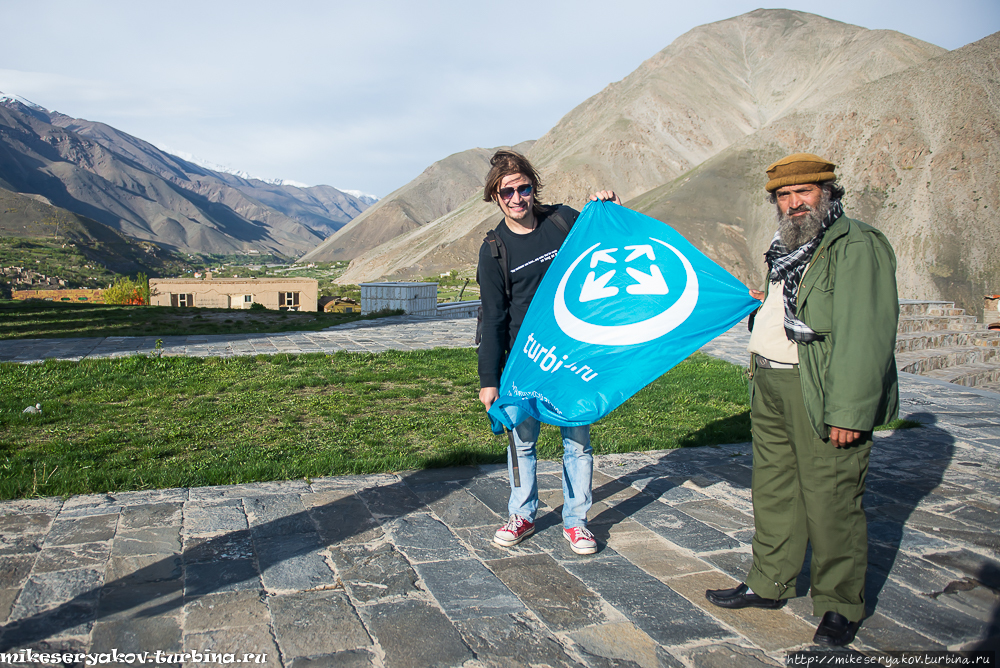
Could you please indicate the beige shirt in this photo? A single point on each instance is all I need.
(768, 338)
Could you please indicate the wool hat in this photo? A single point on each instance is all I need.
(799, 168)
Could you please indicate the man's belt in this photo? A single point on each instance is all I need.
(764, 363)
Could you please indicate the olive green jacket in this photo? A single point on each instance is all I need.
(848, 295)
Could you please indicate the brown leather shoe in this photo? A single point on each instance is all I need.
(835, 630)
(741, 597)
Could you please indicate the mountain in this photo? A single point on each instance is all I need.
(713, 86)
(436, 192)
(322, 208)
(917, 151)
(687, 136)
(32, 218)
(449, 242)
(363, 196)
(109, 176)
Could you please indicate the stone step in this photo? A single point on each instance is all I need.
(978, 375)
(946, 312)
(916, 307)
(914, 341)
(924, 361)
(924, 323)
(991, 386)
(938, 340)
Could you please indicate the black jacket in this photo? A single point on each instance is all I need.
(528, 256)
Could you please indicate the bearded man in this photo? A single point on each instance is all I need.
(823, 376)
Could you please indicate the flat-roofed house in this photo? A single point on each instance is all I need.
(339, 305)
(280, 294)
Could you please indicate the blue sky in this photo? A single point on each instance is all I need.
(366, 98)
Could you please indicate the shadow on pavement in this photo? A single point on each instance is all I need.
(272, 553)
(226, 562)
(897, 484)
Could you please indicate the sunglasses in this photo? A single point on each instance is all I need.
(523, 191)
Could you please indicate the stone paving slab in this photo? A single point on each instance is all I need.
(399, 569)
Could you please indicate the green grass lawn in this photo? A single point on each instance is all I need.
(145, 422)
(43, 319)
(451, 293)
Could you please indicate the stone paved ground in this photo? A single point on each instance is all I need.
(398, 569)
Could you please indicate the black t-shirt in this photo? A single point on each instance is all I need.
(528, 256)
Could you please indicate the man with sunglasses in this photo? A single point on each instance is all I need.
(528, 237)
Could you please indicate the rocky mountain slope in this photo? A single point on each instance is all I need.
(32, 218)
(128, 184)
(435, 193)
(323, 209)
(919, 154)
(711, 88)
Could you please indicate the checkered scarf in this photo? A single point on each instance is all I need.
(789, 266)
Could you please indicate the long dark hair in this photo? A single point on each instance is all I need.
(506, 163)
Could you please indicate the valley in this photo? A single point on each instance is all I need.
(684, 138)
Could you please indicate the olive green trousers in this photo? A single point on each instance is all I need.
(805, 490)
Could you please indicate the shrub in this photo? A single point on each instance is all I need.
(126, 291)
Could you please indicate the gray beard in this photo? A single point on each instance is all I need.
(796, 233)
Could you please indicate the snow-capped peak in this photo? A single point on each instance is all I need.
(215, 167)
(363, 196)
(285, 182)
(4, 97)
(207, 164)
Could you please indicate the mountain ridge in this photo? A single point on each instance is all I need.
(33, 218)
(124, 182)
(677, 110)
(441, 187)
(917, 155)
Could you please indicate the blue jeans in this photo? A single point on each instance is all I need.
(577, 478)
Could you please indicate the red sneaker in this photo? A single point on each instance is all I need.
(512, 533)
(581, 540)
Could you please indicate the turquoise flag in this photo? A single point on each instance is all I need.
(624, 300)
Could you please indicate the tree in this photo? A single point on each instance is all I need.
(124, 290)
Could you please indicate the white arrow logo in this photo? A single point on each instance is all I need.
(603, 256)
(633, 333)
(598, 289)
(647, 284)
(639, 251)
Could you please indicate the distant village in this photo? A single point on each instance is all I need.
(21, 276)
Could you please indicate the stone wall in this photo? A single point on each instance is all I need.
(81, 295)
(459, 309)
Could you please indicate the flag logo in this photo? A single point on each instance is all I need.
(642, 306)
(624, 300)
